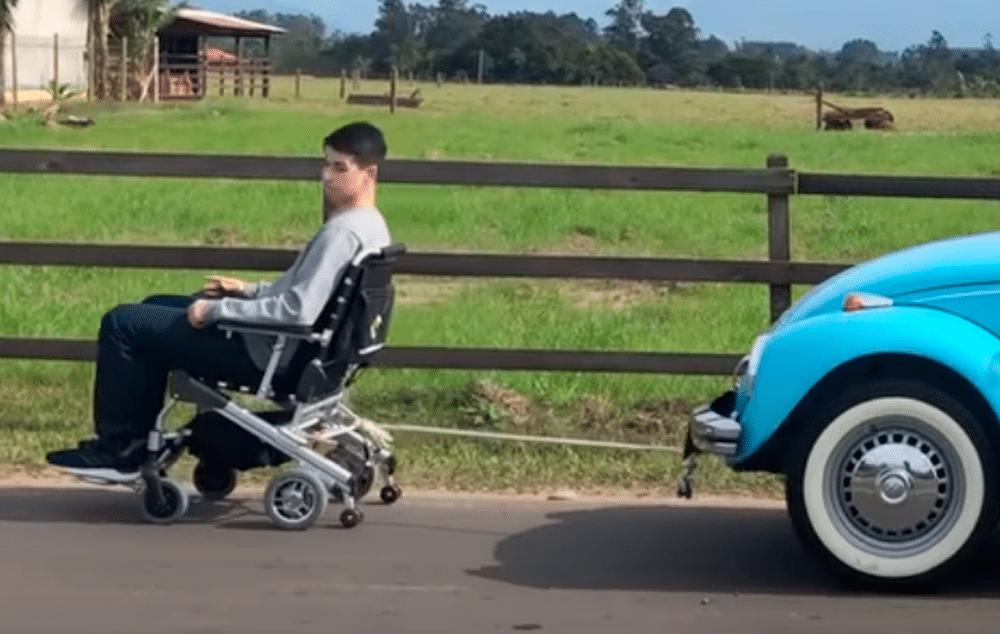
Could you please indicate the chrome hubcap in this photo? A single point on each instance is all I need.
(894, 485)
(295, 500)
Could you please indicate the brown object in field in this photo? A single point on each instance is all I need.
(77, 122)
(413, 101)
(874, 117)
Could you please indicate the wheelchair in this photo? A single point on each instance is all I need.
(336, 453)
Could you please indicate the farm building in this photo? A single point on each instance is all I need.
(38, 55)
(194, 61)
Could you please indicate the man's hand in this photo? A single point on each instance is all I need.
(197, 313)
(220, 286)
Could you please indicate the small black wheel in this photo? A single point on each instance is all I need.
(390, 494)
(684, 488)
(214, 482)
(351, 517)
(171, 507)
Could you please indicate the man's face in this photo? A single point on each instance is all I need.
(343, 179)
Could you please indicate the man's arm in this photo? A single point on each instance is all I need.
(307, 286)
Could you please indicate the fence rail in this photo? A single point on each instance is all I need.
(777, 181)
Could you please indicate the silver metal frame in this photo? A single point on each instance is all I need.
(322, 424)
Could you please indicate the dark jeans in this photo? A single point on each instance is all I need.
(139, 344)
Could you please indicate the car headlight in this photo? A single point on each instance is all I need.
(746, 369)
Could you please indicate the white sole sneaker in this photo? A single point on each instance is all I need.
(103, 475)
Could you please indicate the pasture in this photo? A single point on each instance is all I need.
(47, 404)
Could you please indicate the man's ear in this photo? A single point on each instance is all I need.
(372, 172)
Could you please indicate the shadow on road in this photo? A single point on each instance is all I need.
(110, 505)
(684, 549)
(120, 505)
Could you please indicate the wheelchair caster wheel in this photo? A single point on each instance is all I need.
(170, 508)
(684, 489)
(351, 518)
(214, 482)
(295, 500)
(390, 494)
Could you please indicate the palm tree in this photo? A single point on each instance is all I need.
(99, 12)
(141, 21)
(6, 24)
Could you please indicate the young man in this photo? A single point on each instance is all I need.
(138, 344)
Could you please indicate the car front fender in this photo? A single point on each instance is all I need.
(799, 355)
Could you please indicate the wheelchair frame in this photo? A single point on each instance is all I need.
(295, 499)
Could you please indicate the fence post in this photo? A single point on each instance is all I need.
(482, 62)
(343, 83)
(124, 69)
(778, 239)
(819, 105)
(238, 77)
(156, 69)
(55, 66)
(392, 89)
(13, 66)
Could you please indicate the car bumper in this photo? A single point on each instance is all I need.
(712, 430)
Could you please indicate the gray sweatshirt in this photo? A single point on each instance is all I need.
(297, 297)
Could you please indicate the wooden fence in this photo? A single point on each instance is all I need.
(776, 181)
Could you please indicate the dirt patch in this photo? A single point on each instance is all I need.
(608, 294)
(614, 294)
(413, 290)
(515, 405)
(655, 422)
(33, 97)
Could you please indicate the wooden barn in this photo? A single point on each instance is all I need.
(194, 61)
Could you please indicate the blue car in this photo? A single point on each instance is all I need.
(877, 395)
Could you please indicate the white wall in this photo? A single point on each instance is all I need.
(35, 21)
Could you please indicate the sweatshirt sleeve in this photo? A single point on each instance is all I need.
(308, 287)
(253, 289)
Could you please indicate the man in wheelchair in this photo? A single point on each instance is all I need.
(140, 345)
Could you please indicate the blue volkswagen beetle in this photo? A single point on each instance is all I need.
(877, 395)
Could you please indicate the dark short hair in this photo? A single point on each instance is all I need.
(361, 140)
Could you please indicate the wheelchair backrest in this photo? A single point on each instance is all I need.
(355, 321)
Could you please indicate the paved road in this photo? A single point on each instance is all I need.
(81, 560)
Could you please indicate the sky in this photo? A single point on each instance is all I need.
(817, 24)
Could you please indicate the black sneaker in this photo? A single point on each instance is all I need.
(101, 456)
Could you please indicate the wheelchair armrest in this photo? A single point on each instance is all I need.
(294, 332)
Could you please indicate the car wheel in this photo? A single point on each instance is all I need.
(894, 484)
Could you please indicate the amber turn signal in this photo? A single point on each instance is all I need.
(860, 301)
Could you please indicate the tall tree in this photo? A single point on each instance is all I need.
(625, 28)
(452, 23)
(6, 24)
(672, 47)
(395, 33)
(864, 51)
(99, 12)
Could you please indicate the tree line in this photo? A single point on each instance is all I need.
(458, 40)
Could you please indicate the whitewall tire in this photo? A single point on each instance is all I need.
(896, 486)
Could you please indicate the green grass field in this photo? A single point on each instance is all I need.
(47, 404)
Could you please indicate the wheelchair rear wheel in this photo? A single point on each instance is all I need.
(295, 500)
(214, 481)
